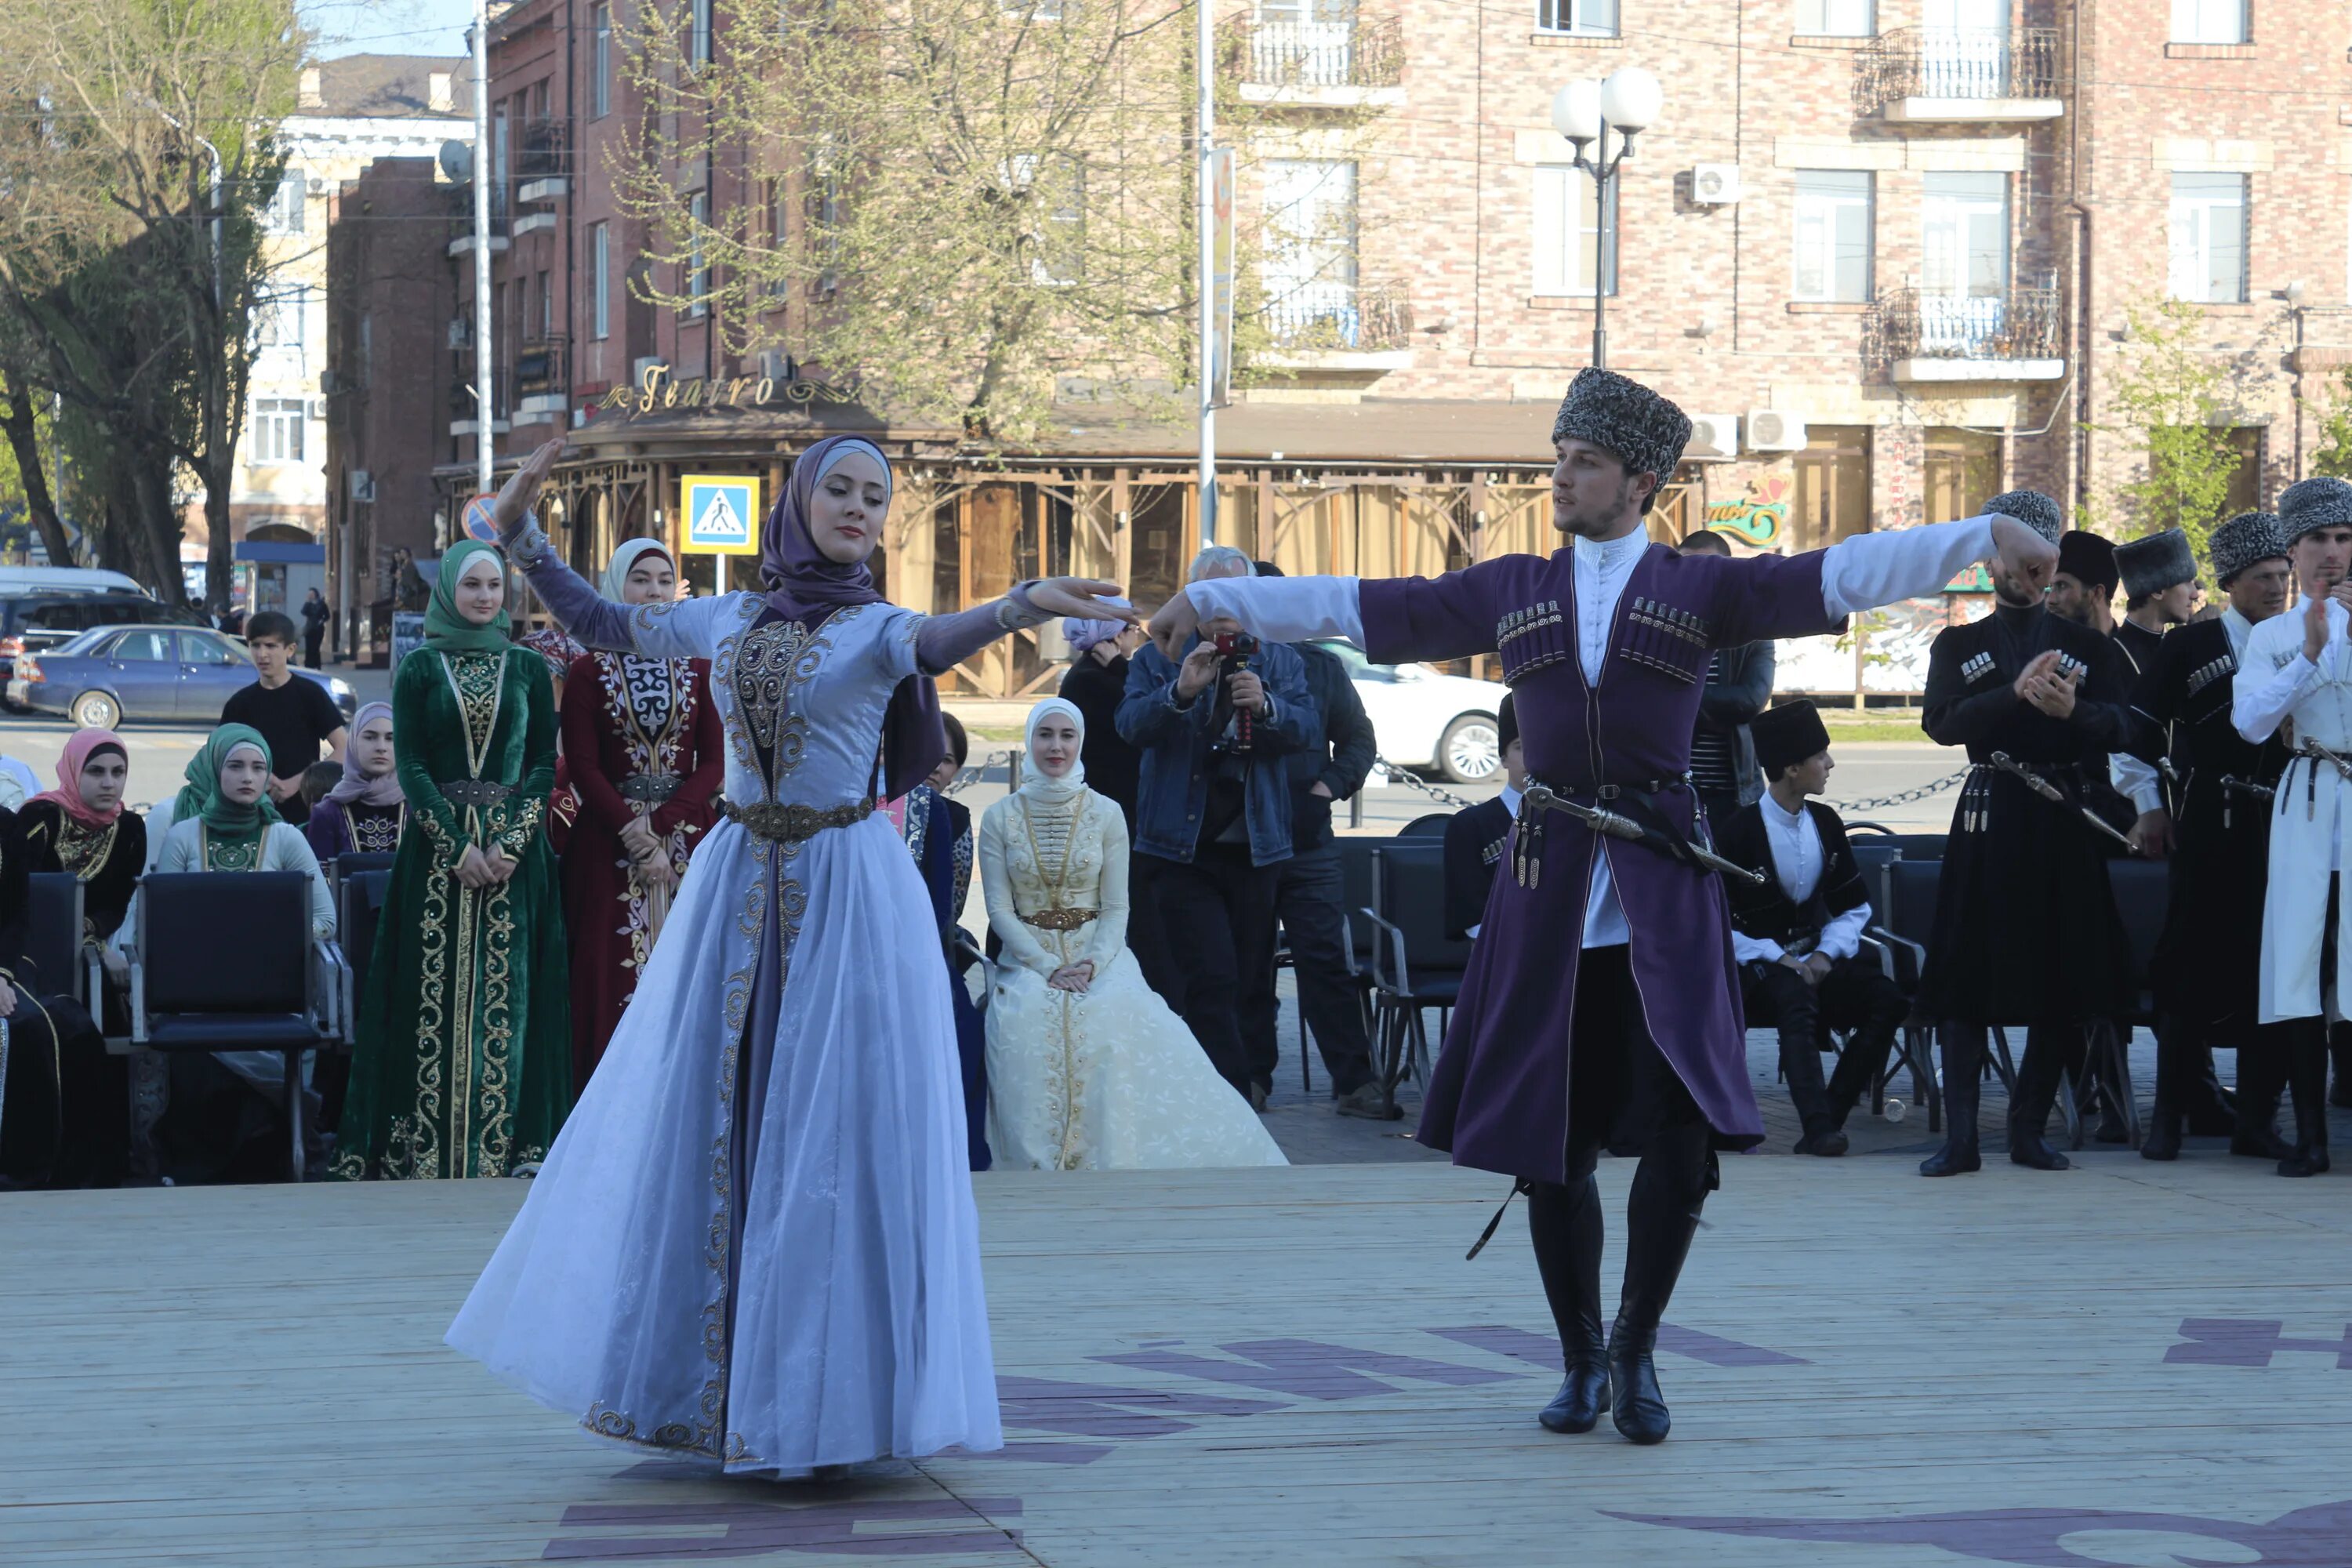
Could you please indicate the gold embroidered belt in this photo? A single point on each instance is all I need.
(1059, 919)
(795, 823)
(474, 792)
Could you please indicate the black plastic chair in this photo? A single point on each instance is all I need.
(224, 961)
(1415, 965)
(356, 864)
(2143, 893)
(55, 961)
(1431, 826)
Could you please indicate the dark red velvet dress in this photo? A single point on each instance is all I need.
(631, 726)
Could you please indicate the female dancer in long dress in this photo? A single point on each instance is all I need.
(642, 742)
(365, 813)
(464, 1063)
(754, 1246)
(1087, 1070)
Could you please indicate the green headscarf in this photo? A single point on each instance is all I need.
(201, 795)
(448, 630)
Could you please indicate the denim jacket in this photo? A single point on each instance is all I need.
(1177, 755)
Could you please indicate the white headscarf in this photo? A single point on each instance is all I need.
(616, 570)
(1043, 788)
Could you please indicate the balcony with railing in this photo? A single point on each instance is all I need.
(543, 160)
(1359, 330)
(1971, 74)
(1923, 335)
(1355, 63)
(542, 381)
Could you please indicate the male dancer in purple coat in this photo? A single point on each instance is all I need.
(1630, 1036)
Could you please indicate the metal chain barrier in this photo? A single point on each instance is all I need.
(1902, 798)
(1442, 796)
(971, 773)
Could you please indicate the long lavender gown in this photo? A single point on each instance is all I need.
(754, 1244)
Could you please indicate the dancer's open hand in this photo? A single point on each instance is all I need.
(2028, 558)
(516, 496)
(1087, 597)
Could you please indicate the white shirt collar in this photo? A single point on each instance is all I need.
(1606, 553)
(2238, 626)
(1772, 805)
(1511, 799)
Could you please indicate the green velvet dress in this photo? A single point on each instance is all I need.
(464, 1064)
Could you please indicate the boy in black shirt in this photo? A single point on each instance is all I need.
(294, 714)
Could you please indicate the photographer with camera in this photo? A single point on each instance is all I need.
(1212, 817)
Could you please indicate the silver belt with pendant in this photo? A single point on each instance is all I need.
(653, 789)
(474, 792)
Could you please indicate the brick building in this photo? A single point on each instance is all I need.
(391, 289)
(1884, 250)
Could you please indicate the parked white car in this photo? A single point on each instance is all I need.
(1425, 720)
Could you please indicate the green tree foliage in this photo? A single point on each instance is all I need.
(2169, 393)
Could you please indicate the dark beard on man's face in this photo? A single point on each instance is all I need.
(2079, 612)
(1585, 525)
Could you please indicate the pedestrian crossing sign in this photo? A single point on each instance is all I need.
(722, 514)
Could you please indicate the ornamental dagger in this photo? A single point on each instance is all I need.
(1540, 798)
(2050, 792)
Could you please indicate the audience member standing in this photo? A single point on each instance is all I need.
(938, 830)
(53, 1091)
(1095, 684)
(1214, 816)
(464, 1063)
(314, 627)
(644, 749)
(1739, 687)
(294, 714)
(1308, 895)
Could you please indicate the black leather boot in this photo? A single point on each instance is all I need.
(2047, 1051)
(2164, 1122)
(2339, 1046)
(2212, 1110)
(2262, 1077)
(1566, 1225)
(1964, 1049)
(2307, 1079)
(1661, 1218)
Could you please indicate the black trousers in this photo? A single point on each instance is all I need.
(65, 1104)
(311, 641)
(1853, 995)
(1611, 1052)
(1213, 913)
(1307, 898)
(1147, 933)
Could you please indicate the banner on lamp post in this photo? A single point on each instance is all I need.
(1220, 347)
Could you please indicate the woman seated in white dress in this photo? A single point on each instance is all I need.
(1087, 1070)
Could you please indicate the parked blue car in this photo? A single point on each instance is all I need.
(113, 673)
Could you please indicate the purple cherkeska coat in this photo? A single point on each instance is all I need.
(1499, 1096)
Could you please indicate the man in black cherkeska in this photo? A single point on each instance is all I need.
(2207, 961)
(1477, 836)
(1797, 937)
(2026, 930)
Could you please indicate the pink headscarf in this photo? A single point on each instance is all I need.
(380, 791)
(79, 750)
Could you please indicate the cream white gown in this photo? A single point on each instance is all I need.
(1110, 1079)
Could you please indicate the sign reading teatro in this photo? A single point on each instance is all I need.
(656, 391)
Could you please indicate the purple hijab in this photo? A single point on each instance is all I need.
(803, 584)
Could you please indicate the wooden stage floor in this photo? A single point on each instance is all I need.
(2129, 1364)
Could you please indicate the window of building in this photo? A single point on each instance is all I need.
(1964, 278)
(1959, 471)
(2209, 237)
(1833, 499)
(1591, 18)
(278, 429)
(700, 40)
(1838, 18)
(2246, 482)
(546, 306)
(1310, 251)
(600, 61)
(2209, 21)
(1569, 232)
(600, 280)
(284, 214)
(1053, 191)
(499, 164)
(278, 318)
(697, 270)
(1833, 234)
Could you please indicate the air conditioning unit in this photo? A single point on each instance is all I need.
(318, 408)
(1713, 438)
(1715, 184)
(362, 485)
(327, 381)
(1775, 430)
(777, 365)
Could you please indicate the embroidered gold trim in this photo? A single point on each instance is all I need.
(795, 823)
(1058, 919)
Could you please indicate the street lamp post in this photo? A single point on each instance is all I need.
(1585, 112)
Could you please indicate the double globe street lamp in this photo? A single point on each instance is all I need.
(1585, 112)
